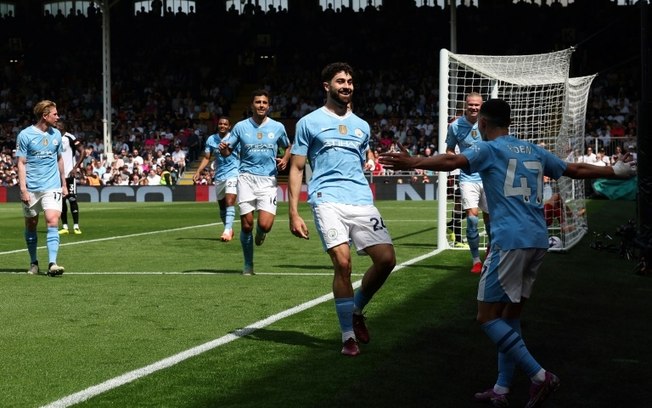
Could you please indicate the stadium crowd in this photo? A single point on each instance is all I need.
(171, 82)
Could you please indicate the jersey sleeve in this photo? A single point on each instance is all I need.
(21, 145)
(301, 139)
(284, 139)
(233, 138)
(209, 145)
(554, 167)
(479, 157)
(451, 141)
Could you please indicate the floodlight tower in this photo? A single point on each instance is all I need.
(106, 77)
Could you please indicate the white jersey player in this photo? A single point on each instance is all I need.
(73, 155)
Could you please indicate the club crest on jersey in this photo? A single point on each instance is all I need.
(259, 135)
(270, 135)
(342, 129)
(331, 233)
(358, 132)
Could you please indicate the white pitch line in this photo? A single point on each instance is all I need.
(140, 234)
(208, 273)
(134, 375)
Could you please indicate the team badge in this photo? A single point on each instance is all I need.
(342, 129)
(270, 135)
(331, 233)
(259, 135)
(358, 132)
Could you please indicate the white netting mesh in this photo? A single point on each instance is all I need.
(548, 108)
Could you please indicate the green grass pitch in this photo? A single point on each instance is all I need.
(153, 312)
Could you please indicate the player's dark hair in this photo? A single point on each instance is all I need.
(496, 111)
(259, 92)
(331, 69)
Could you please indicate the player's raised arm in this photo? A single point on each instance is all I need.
(441, 162)
(621, 169)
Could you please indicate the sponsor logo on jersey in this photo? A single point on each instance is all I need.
(351, 144)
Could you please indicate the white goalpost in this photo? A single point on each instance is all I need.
(548, 108)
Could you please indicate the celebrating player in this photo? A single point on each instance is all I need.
(258, 139)
(463, 133)
(512, 172)
(226, 175)
(335, 141)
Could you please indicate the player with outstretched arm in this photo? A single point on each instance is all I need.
(512, 172)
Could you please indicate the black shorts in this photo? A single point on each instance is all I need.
(71, 183)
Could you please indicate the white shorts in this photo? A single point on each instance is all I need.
(224, 187)
(257, 193)
(340, 223)
(473, 196)
(508, 276)
(42, 201)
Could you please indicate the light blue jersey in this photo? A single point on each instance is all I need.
(258, 145)
(512, 173)
(225, 167)
(463, 134)
(336, 147)
(41, 150)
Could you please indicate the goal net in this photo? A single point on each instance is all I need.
(548, 108)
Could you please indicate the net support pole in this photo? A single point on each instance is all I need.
(442, 182)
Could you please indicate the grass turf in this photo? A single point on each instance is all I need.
(586, 321)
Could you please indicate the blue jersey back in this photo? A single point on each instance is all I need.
(512, 173)
(225, 167)
(41, 150)
(336, 147)
(463, 134)
(258, 145)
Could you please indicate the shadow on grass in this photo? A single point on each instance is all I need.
(427, 351)
(216, 271)
(324, 268)
(13, 271)
(422, 343)
(588, 322)
(293, 338)
(401, 237)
